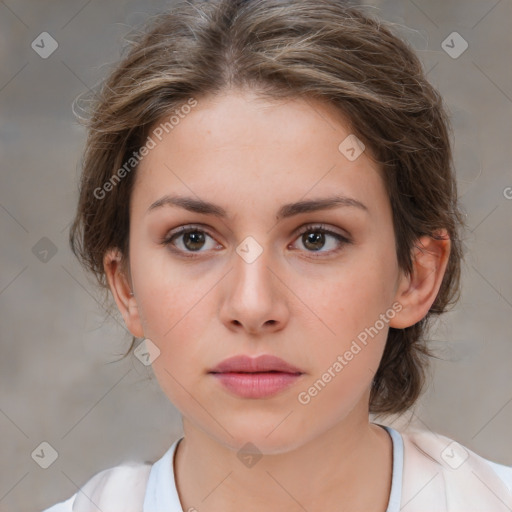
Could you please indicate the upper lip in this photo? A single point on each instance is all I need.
(247, 364)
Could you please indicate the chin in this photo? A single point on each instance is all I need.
(270, 435)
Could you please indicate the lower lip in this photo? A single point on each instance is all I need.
(257, 385)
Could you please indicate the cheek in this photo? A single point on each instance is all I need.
(166, 293)
(355, 309)
(175, 320)
(176, 328)
(354, 299)
(345, 360)
(172, 310)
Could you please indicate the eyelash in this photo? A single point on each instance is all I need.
(317, 228)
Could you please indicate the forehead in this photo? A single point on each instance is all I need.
(240, 146)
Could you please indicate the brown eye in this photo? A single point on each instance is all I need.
(189, 240)
(316, 238)
(313, 240)
(193, 240)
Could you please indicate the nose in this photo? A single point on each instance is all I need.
(255, 297)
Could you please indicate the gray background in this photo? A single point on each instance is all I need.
(58, 380)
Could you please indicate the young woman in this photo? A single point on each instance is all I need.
(268, 193)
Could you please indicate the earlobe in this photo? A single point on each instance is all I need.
(121, 290)
(418, 291)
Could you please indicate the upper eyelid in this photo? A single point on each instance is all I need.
(304, 228)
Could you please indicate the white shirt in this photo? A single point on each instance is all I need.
(161, 494)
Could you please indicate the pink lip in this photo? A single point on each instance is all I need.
(258, 377)
(246, 364)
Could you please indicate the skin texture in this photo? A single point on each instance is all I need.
(251, 156)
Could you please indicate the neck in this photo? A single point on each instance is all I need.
(332, 471)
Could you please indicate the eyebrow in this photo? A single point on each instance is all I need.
(288, 210)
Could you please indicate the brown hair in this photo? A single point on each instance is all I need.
(321, 49)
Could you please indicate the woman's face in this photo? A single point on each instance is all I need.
(255, 275)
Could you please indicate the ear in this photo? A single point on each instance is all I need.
(121, 290)
(418, 291)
